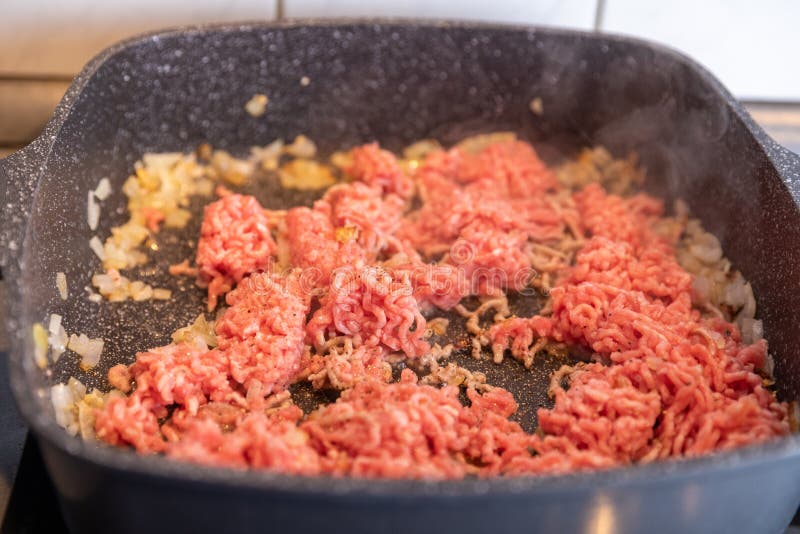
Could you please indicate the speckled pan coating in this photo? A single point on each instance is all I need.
(394, 82)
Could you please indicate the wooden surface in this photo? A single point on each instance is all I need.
(26, 106)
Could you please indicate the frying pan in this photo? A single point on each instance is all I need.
(395, 82)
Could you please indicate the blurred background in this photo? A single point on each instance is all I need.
(748, 44)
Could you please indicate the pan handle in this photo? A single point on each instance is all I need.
(19, 174)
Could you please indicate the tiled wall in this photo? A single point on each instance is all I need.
(574, 13)
(750, 45)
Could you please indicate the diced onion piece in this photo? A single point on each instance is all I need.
(103, 189)
(64, 407)
(88, 349)
(66, 399)
(302, 147)
(58, 343)
(55, 323)
(257, 105)
(77, 387)
(57, 338)
(86, 408)
(306, 174)
(162, 294)
(269, 155)
(752, 329)
(341, 160)
(707, 248)
(476, 143)
(420, 149)
(39, 345)
(200, 333)
(232, 170)
(140, 291)
(92, 211)
(536, 106)
(97, 247)
(61, 284)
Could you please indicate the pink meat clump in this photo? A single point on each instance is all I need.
(372, 217)
(513, 167)
(315, 249)
(373, 308)
(671, 384)
(248, 439)
(262, 332)
(235, 241)
(435, 285)
(182, 374)
(342, 367)
(414, 431)
(260, 340)
(379, 168)
(483, 227)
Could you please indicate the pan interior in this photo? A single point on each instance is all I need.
(394, 83)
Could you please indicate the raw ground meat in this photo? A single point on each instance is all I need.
(373, 308)
(678, 384)
(379, 168)
(662, 379)
(260, 340)
(234, 241)
(315, 249)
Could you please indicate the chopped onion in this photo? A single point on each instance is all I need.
(752, 329)
(97, 247)
(536, 106)
(88, 349)
(55, 323)
(302, 147)
(58, 343)
(66, 399)
(476, 143)
(86, 410)
(64, 407)
(706, 248)
(58, 337)
(162, 294)
(140, 291)
(257, 105)
(92, 211)
(61, 284)
(420, 149)
(103, 189)
(200, 332)
(269, 155)
(77, 387)
(39, 345)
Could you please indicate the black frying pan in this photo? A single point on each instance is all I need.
(395, 82)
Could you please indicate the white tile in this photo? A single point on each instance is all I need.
(751, 46)
(57, 37)
(572, 13)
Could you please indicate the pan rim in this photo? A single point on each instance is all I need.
(44, 426)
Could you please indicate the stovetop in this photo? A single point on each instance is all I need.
(27, 498)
